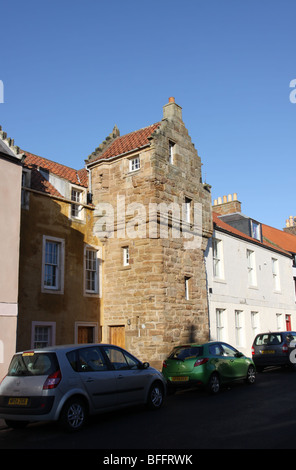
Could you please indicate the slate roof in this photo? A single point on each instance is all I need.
(266, 242)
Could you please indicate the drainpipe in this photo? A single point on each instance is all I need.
(89, 194)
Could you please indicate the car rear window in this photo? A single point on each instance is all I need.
(33, 363)
(268, 339)
(290, 337)
(186, 352)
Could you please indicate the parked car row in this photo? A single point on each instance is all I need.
(274, 349)
(209, 365)
(68, 383)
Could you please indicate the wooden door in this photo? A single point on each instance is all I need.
(117, 335)
(85, 334)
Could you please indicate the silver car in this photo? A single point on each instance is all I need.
(68, 383)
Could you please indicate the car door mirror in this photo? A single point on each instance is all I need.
(239, 354)
(144, 365)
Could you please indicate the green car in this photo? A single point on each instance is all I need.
(209, 365)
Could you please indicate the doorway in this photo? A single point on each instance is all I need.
(117, 335)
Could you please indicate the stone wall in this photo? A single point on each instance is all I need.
(147, 297)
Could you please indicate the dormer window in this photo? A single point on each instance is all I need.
(134, 164)
(256, 230)
(76, 206)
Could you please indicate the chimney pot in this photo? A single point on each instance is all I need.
(171, 99)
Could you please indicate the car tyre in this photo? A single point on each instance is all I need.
(155, 396)
(214, 384)
(73, 415)
(251, 375)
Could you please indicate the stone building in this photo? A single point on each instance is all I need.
(153, 218)
(60, 258)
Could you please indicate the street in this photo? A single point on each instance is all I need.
(262, 416)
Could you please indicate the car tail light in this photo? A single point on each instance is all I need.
(200, 362)
(52, 380)
(164, 365)
(285, 348)
(253, 351)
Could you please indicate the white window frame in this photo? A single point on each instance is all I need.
(221, 324)
(275, 274)
(94, 270)
(50, 326)
(279, 322)
(126, 256)
(218, 261)
(239, 327)
(77, 195)
(134, 163)
(255, 230)
(251, 266)
(255, 322)
(58, 287)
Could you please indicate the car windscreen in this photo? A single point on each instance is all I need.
(268, 339)
(33, 363)
(186, 352)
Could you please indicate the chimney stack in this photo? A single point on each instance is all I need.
(172, 111)
(290, 225)
(227, 205)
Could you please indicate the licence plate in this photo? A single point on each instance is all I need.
(18, 401)
(180, 379)
(268, 351)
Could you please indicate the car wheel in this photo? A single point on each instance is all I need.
(16, 424)
(73, 415)
(214, 385)
(155, 396)
(251, 375)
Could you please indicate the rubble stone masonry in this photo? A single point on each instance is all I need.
(159, 299)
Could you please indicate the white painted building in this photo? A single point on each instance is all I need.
(10, 194)
(250, 282)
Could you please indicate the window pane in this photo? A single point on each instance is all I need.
(91, 359)
(91, 270)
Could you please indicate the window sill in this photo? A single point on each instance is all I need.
(219, 281)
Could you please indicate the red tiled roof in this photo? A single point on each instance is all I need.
(128, 142)
(75, 177)
(40, 183)
(286, 241)
(265, 243)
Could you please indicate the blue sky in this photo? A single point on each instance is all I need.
(73, 69)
